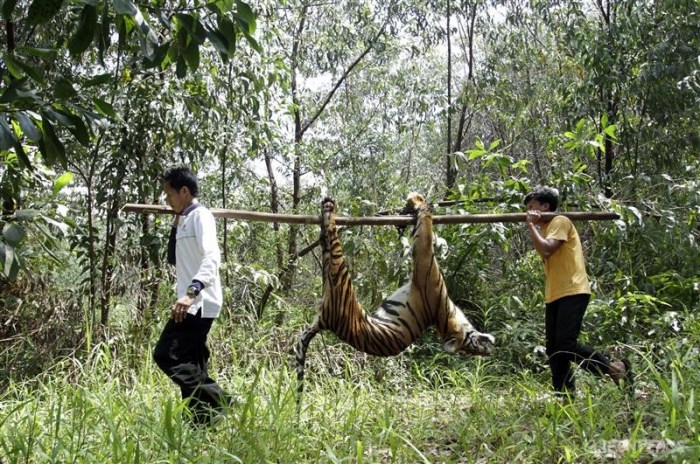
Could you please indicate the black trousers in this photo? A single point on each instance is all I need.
(182, 353)
(563, 321)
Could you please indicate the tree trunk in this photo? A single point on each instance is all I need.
(223, 170)
(111, 229)
(450, 169)
(465, 117)
(274, 208)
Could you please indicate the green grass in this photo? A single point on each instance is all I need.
(115, 408)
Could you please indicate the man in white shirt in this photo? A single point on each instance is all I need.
(181, 351)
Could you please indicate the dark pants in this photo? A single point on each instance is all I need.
(563, 325)
(181, 353)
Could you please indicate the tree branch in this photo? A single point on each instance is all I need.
(340, 81)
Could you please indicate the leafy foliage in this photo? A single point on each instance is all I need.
(277, 104)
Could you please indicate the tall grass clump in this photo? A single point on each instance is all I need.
(114, 406)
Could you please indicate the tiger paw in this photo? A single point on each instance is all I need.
(328, 205)
(413, 202)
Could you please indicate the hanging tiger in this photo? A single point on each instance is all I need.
(402, 317)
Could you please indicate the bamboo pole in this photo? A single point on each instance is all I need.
(374, 220)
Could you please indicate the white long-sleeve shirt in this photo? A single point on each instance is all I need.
(198, 258)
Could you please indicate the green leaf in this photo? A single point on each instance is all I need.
(245, 14)
(8, 7)
(149, 40)
(19, 90)
(22, 155)
(45, 53)
(14, 234)
(181, 67)
(125, 7)
(32, 72)
(50, 146)
(8, 139)
(224, 5)
(12, 65)
(219, 41)
(28, 127)
(473, 154)
(18, 68)
(228, 29)
(159, 56)
(193, 26)
(41, 11)
(98, 80)
(254, 44)
(63, 180)
(610, 131)
(85, 33)
(60, 117)
(192, 55)
(63, 89)
(149, 44)
(104, 108)
(79, 130)
(10, 266)
(103, 34)
(26, 214)
(62, 226)
(173, 52)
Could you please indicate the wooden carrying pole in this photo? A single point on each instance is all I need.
(373, 220)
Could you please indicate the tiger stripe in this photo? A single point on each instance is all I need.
(402, 317)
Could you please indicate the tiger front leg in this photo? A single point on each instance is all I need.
(460, 336)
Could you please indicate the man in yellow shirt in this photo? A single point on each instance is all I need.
(567, 293)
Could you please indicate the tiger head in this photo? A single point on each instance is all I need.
(471, 343)
(464, 339)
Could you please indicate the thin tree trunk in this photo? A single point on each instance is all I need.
(92, 239)
(457, 143)
(274, 207)
(449, 156)
(144, 258)
(108, 260)
(223, 170)
(608, 95)
(287, 277)
(155, 278)
(111, 229)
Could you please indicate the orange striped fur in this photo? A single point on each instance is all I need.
(404, 315)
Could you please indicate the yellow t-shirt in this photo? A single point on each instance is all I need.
(565, 270)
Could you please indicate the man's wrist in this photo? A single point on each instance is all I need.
(195, 287)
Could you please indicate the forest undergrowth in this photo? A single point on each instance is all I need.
(113, 405)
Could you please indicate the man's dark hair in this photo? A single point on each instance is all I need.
(544, 195)
(181, 176)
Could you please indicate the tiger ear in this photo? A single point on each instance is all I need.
(451, 345)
